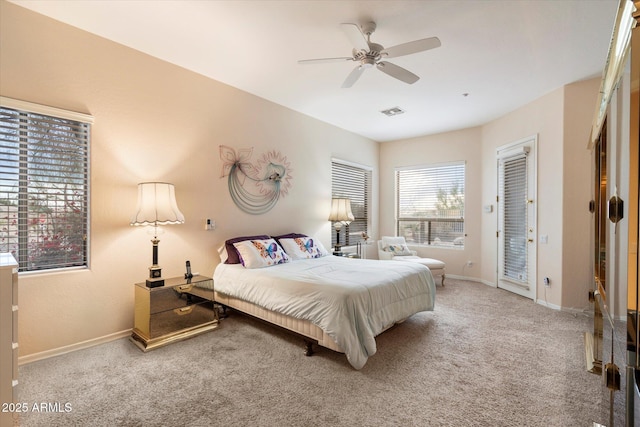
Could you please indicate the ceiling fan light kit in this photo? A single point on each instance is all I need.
(368, 54)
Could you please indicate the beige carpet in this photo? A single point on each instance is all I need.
(484, 357)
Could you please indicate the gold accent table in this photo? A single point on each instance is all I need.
(176, 311)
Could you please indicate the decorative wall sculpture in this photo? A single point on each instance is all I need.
(255, 188)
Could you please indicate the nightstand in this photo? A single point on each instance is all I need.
(346, 254)
(178, 310)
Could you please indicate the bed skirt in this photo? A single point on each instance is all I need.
(299, 326)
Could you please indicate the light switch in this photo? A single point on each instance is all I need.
(544, 239)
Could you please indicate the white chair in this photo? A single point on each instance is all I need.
(396, 249)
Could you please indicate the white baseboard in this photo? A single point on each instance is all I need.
(73, 347)
(470, 279)
(546, 304)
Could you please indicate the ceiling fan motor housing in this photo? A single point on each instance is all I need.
(368, 58)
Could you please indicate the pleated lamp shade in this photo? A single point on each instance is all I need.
(341, 211)
(157, 205)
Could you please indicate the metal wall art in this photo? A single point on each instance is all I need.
(255, 187)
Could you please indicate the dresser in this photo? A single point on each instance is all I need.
(180, 309)
(8, 339)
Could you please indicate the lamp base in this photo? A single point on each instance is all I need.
(155, 276)
(155, 283)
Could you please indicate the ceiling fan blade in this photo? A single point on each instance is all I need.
(355, 36)
(411, 47)
(397, 72)
(353, 77)
(321, 60)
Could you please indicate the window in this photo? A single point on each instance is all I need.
(44, 185)
(430, 204)
(354, 182)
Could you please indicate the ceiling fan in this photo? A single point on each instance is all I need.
(369, 54)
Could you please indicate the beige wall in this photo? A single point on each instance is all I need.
(543, 117)
(155, 121)
(561, 120)
(577, 274)
(464, 145)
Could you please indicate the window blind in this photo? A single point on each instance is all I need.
(44, 189)
(514, 196)
(353, 182)
(430, 204)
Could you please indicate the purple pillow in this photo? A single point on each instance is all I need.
(288, 236)
(233, 257)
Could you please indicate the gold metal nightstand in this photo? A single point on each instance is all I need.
(180, 309)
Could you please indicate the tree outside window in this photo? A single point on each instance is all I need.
(430, 204)
(44, 189)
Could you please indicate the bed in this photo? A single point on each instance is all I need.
(339, 303)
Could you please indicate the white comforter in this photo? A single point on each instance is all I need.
(352, 300)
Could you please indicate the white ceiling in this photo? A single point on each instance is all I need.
(503, 54)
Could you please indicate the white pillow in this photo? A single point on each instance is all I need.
(396, 245)
(222, 251)
(260, 253)
(303, 248)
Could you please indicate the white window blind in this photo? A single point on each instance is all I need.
(430, 204)
(513, 193)
(44, 187)
(353, 182)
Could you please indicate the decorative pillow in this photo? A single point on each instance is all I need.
(232, 254)
(396, 245)
(303, 248)
(222, 251)
(288, 236)
(260, 253)
(398, 250)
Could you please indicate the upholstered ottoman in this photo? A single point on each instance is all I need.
(436, 266)
(396, 249)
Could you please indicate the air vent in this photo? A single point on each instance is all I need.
(392, 111)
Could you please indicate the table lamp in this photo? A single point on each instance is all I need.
(156, 206)
(340, 215)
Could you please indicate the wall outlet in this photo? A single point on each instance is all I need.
(209, 224)
(469, 263)
(546, 282)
